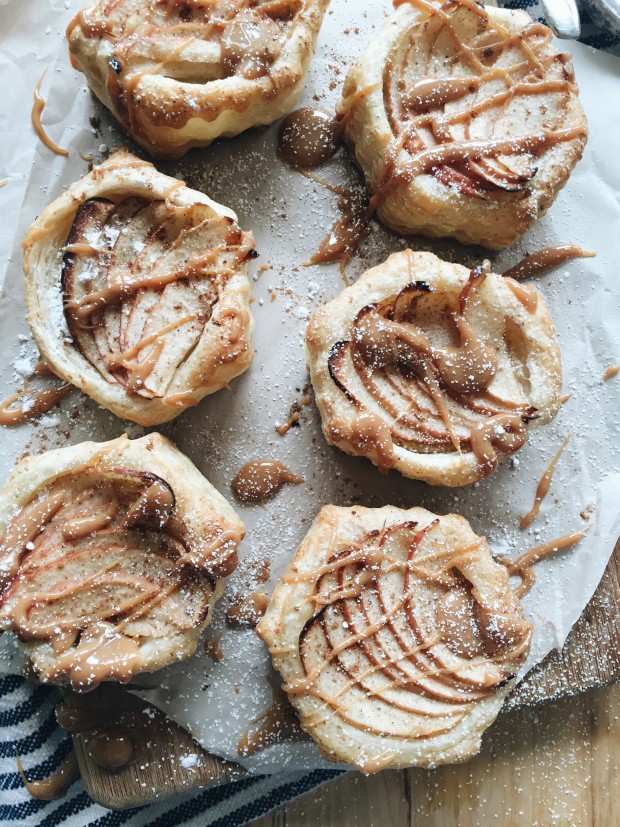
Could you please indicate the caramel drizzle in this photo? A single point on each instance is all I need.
(544, 260)
(392, 356)
(37, 109)
(522, 566)
(40, 401)
(294, 414)
(610, 373)
(543, 487)
(473, 174)
(94, 647)
(55, 786)
(341, 589)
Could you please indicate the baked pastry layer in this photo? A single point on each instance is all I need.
(137, 290)
(433, 369)
(396, 635)
(181, 73)
(111, 558)
(465, 120)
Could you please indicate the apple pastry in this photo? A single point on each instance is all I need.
(433, 369)
(179, 74)
(465, 120)
(397, 636)
(137, 290)
(111, 558)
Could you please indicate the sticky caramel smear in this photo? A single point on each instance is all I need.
(262, 478)
(42, 401)
(55, 786)
(522, 566)
(545, 260)
(543, 487)
(37, 109)
(294, 414)
(213, 649)
(249, 611)
(564, 399)
(86, 157)
(4, 182)
(610, 373)
(278, 723)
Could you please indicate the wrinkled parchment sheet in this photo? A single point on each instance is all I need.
(289, 216)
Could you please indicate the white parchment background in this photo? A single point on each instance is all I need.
(289, 216)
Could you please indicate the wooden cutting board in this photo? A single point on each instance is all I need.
(174, 763)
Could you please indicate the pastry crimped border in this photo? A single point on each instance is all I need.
(332, 322)
(425, 205)
(206, 369)
(290, 608)
(199, 508)
(194, 114)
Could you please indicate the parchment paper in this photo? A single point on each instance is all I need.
(290, 215)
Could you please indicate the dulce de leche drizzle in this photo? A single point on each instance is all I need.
(37, 110)
(543, 487)
(97, 566)
(262, 478)
(522, 566)
(535, 264)
(396, 618)
(141, 280)
(444, 122)
(429, 396)
(56, 785)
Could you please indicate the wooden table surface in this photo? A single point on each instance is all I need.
(552, 765)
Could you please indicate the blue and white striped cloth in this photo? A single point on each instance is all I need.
(28, 727)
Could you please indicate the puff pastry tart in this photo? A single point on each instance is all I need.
(111, 558)
(433, 369)
(179, 73)
(396, 635)
(465, 120)
(137, 292)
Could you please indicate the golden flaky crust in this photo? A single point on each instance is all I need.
(156, 224)
(151, 582)
(396, 635)
(408, 432)
(399, 117)
(179, 75)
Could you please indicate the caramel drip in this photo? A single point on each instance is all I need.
(421, 125)
(277, 724)
(111, 749)
(57, 785)
(522, 566)
(610, 373)
(308, 137)
(40, 402)
(358, 613)
(21, 531)
(213, 649)
(124, 358)
(525, 293)
(83, 526)
(4, 182)
(249, 611)
(294, 414)
(505, 432)
(544, 260)
(543, 487)
(37, 109)
(261, 479)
